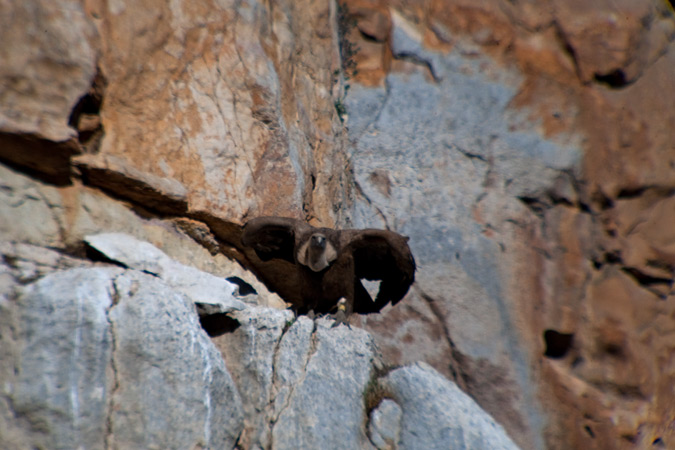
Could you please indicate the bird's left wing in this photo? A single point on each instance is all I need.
(382, 255)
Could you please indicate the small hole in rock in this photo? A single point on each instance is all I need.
(613, 349)
(557, 344)
(218, 324)
(614, 79)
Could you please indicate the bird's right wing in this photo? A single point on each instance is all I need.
(272, 237)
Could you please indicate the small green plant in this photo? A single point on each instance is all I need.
(341, 109)
(375, 392)
(288, 324)
(373, 395)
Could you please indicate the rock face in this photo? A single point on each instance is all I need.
(308, 380)
(48, 66)
(526, 141)
(434, 413)
(98, 356)
(200, 287)
(110, 358)
(235, 107)
(527, 149)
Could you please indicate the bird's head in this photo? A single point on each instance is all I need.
(318, 241)
(317, 252)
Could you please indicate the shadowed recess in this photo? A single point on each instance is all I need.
(557, 344)
(38, 157)
(218, 324)
(613, 79)
(658, 443)
(95, 255)
(244, 287)
(90, 103)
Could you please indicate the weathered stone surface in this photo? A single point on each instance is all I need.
(114, 175)
(172, 389)
(250, 352)
(26, 263)
(48, 66)
(232, 100)
(305, 385)
(454, 125)
(614, 42)
(385, 425)
(25, 210)
(646, 246)
(291, 359)
(43, 77)
(511, 156)
(302, 384)
(327, 402)
(438, 415)
(62, 383)
(113, 357)
(44, 215)
(105, 357)
(212, 293)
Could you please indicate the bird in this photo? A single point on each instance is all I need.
(319, 270)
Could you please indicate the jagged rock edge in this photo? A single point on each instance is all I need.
(114, 300)
(311, 351)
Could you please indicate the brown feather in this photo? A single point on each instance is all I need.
(351, 255)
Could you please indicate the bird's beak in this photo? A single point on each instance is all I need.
(318, 241)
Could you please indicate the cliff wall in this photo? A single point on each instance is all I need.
(527, 148)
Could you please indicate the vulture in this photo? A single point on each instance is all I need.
(319, 270)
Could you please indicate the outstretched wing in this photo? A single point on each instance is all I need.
(382, 255)
(272, 237)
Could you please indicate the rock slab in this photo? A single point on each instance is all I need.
(107, 357)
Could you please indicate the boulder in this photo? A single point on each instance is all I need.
(110, 357)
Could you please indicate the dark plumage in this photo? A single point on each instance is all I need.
(313, 268)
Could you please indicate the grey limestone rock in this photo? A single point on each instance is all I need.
(291, 360)
(250, 354)
(213, 293)
(64, 356)
(436, 414)
(385, 424)
(172, 387)
(302, 381)
(21, 201)
(25, 263)
(106, 357)
(326, 408)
